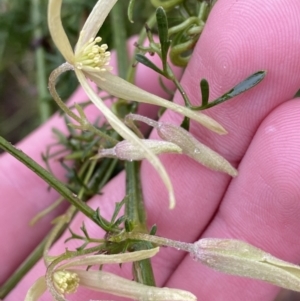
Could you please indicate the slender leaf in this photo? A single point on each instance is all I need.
(130, 10)
(162, 24)
(145, 61)
(240, 88)
(245, 85)
(204, 87)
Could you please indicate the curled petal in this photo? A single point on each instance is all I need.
(119, 87)
(110, 259)
(94, 22)
(125, 150)
(242, 259)
(127, 134)
(110, 283)
(57, 31)
(36, 290)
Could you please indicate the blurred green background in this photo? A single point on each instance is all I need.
(27, 57)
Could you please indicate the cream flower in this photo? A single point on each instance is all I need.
(90, 60)
(65, 279)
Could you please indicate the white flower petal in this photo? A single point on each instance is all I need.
(110, 259)
(57, 31)
(36, 290)
(94, 21)
(110, 283)
(119, 87)
(242, 259)
(116, 124)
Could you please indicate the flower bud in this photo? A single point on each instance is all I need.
(125, 150)
(242, 259)
(194, 149)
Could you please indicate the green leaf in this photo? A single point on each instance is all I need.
(162, 24)
(240, 88)
(128, 225)
(118, 207)
(101, 221)
(153, 230)
(186, 123)
(145, 61)
(130, 10)
(245, 85)
(204, 87)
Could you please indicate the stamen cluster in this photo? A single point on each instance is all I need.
(93, 57)
(66, 282)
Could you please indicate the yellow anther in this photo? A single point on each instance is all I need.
(93, 56)
(66, 282)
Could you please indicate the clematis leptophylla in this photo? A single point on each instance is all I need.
(66, 278)
(89, 60)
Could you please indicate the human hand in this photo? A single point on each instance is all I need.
(260, 206)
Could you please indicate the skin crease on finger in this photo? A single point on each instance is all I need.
(247, 36)
(25, 198)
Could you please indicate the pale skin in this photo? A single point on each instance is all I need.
(260, 206)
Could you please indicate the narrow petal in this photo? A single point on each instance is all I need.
(110, 259)
(119, 87)
(110, 283)
(127, 134)
(242, 259)
(36, 290)
(94, 21)
(57, 31)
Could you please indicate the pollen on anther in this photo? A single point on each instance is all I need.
(93, 56)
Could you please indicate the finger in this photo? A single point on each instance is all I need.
(241, 37)
(261, 207)
(24, 194)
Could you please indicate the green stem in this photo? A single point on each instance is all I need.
(134, 207)
(135, 213)
(182, 92)
(161, 241)
(26, 266)
(50, 179)
(41, 78)
(142, 36)
(120, 37)
(84, 124)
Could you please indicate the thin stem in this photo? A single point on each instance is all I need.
(41, 78)
(134, 207)
(50, 179)
(136, 214)
(161, 241)
(62, 223)
(26, 266)
(142, 36)
(47, 210)
(52, 82)
(84, 124)
(119, 37)
(182, 92)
